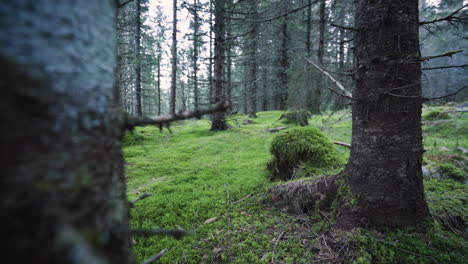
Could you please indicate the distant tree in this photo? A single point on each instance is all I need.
(172, 100)
(218, 121)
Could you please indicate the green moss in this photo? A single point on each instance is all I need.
(452, 172)
(302, 152)
(436, 115)
(299, 117)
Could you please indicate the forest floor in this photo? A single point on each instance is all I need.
(214, 184)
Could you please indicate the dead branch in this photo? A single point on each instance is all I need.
(342, 144)
(133, 121)
(346, 94)
(446, 54)
(445, 67)
(143, 196)
(445, 96)
(238, 201)
(120, 5)
(175, 233)
(343, 27)
(154, 258)
(450, 17)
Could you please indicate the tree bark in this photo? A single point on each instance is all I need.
(253, 65)
(218, 121)
(196, 26)
(172, 101)
(62, 190)
(384, 169)
(138, 58)
(284, 64)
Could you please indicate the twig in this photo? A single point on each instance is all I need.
(448, 95)
(446, 54)
(143, 196)
(445, 67)
(342, 144)
(238, 201)
(450, 17)
(346, 94)
(156, 257)
(343, 27)
(133, 121)
(176, 233)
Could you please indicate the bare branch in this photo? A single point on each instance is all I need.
(445, 96)
(343, 27)
(120, 5)
(342, 144)
(143, 196)
(346, 94)
(445, 67)
(154, 258)
(446, 54)
(133, 121)
(449, 18)
(176, 233)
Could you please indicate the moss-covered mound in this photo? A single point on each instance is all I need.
(298, 117)
(302, 152)
(436, 115)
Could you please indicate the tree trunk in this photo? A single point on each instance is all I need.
(210, 59)
(284, 64)
(138, 58)
(62, 190)
(172, 101)
(384, 169)
(218, 121)
(159, 80)
(196, 26)
(316, 105)
(309, 29)
(253, 64)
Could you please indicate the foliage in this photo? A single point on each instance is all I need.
(452, 172)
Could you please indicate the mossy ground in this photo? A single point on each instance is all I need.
(195, 174)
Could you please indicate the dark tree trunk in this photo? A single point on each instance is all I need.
(218, 121)
(284, 64)
(138, 58)
(264, 88)
(210, 59)
(253, 64)
(309, 29)
(172, 101)
(62, 190)
(316, 105)
(384, 170)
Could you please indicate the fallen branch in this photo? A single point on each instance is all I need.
(143, 196)
(238, 201)
(445, 96)
(156, 257)
(175, 233)
(346, 94)
(445, 67)
(133, 121)
(342, 144)
(450, 17)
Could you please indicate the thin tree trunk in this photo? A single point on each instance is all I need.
(159, 81)
(195, 52)
(309, 29)
(218, 121)
(62, 190)
(316, 106)
(172, 102)
(138, 58)
(264, 86)
(384, 169)
(253, 65)
(284, 64)
(210, 60)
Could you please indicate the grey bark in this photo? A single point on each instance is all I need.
(172, 100)
(384, 169)
(196, 26)
(138, 58)
(62, 190)
(218, 121)
(253, 65)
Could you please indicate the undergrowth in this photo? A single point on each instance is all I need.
(196, 175)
